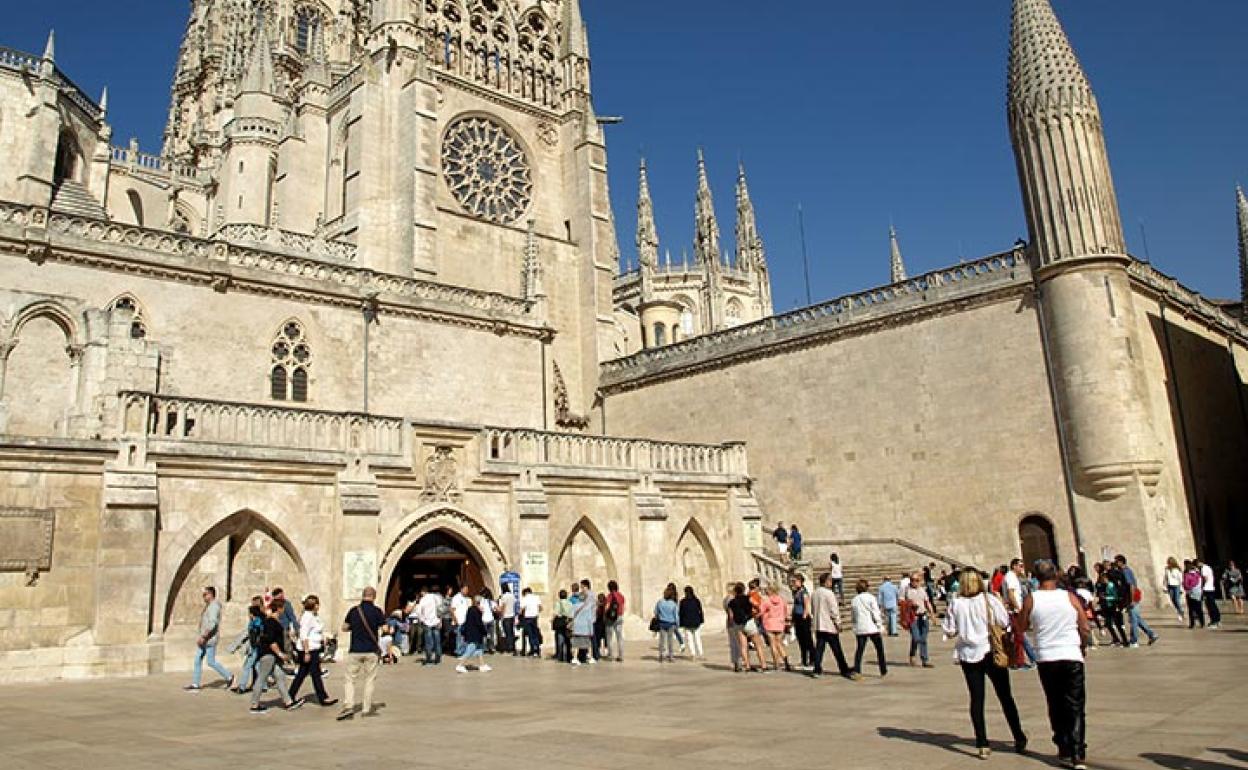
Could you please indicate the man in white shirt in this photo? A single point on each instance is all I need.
(530, 611)
(1209, 588)
(459, 613)
(430, 624)
(1015, 595)
(507, 606)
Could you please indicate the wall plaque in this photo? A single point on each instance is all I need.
(26, 539)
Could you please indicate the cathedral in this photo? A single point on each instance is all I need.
(364, 320)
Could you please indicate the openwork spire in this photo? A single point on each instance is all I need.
(1241, 205)
(1044, 70)
(1059, 144)
(575, 38)
(896, 264)
(706, 226)
(750, 253)
(647, 232)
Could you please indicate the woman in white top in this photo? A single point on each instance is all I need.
(311, 642)
(967, 622)
(868, 622)
(1056, 617)
(1174, 585)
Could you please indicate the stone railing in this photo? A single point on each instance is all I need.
(286, 240)
(1192, 301)
(541, 448)
(20, 61)
(193, 420)
(930, 287)
(152, 164)
(219, 250)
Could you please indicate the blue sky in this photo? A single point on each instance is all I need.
(861, 112)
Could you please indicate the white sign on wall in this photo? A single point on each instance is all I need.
(535, 568)
(752, 530)
(359, 570)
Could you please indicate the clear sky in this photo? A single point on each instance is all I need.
(860, 112)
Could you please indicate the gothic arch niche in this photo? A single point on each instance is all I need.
(1037, 539)
(450, 523)
(585, 554)
(289, 363)
(696, 562)
(68, 159)
(241, 556)
(733, 312)
(138, 322)
(40, 382)
(136, 206)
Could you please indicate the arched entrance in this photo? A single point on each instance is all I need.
(1035, 536)
(438, 559)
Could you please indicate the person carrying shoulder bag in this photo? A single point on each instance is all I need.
(364, 622)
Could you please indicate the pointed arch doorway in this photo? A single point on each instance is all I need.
(1037, 540)
(438, 559)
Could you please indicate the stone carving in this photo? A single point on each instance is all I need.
(26, 541)
(428, 522)
(547, 132)
(486, 170)
(441, 476)
(564, 416)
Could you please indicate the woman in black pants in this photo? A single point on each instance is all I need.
(968, 620)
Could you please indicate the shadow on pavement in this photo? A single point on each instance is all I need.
(1235, 754)
(954, 743)
(1187, 763)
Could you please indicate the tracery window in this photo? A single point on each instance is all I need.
(138, 324)
(486, 170)
(308, 30)
(291, 357)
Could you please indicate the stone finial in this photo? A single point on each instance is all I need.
(575, 37)
(896, 264)
(104, 103)
(751, 256)
(1241, 205)
(706, 226)
(258, 77)
(1059, 144)
(49, 48)
(647, 231)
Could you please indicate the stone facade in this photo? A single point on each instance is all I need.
(366, 309)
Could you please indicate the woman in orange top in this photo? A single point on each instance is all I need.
(774, 612)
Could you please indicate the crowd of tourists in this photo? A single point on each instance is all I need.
(1010, 619)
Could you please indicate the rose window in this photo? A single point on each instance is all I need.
(486, 170)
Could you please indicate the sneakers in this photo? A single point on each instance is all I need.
(461, 669)
(258, 710)
(1153, 640)
(854, 676)
(485, 668)
(576, 662)
(985, 752)
(295, 705)
(191, 688)
(1214, 626)
(1136, 645)
(345, 714)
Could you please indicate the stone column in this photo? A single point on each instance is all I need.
(358, 534)
(531, 546)
(651, 557)
(126, 554)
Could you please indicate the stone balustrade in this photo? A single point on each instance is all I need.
(11, 58)
(286, 240)
(1191, 301)
(133, 158)
(22, 62)
(218, 249)
(175, 419)
(532, 448)
(932, 287)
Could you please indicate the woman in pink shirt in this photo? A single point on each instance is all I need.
(774, 613)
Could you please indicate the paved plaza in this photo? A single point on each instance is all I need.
(1177, 705)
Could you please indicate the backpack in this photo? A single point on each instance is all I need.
(255, 628)
(612, 612)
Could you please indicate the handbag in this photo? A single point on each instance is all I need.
(751, 628)
(996, 639)
(654, 624)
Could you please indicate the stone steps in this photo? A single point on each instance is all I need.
(71, 197)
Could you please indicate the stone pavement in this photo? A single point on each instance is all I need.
(1177, 705)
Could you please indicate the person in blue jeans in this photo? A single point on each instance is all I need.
(921, 604)
(888, 595)
(1136, 622)
(667, 611)
(206, 643)
(250, 637)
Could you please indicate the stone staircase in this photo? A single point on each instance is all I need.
(773, 570)
(71, 197)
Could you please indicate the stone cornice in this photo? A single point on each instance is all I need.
(229, 267)
(938, 293)
(1191, 304)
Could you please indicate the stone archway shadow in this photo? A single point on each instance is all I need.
(243, 520)
(694, 528)
(586, 525)
(481, 545)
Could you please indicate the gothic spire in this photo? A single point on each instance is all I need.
(1242, 209)
(104, 102)
(1059, 145)
(706, 227)
(647, 232)
(750, 253)
(258, 77)
(898, 267)
(49, 48)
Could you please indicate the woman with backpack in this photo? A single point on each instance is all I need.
(1193, 588)
(691, 620)
(1110, 605)
(974, 617)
